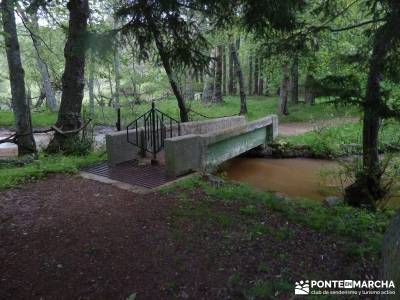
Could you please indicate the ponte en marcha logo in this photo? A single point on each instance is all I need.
(345, 287)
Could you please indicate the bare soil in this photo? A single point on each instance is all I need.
(71, 238)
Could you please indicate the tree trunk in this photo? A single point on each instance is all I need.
(51, 100)
(91, 85)
(309, 93)
(110, 84)
(231, 74)
(239, 74)
(250, 74)
(256, 73)
(28, 94)
(260, 78)
(234, 83)
(116, 63)
(294, 80)
(22, 114)
(224, 69)
(42, 96)
(208, 90)
(367, 188)
(190, 75)
(73, 80)
(217, 95)
(168, 69)
(283, 93)
(261, 87)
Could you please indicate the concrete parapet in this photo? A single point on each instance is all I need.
(119, 150)
(203, 152)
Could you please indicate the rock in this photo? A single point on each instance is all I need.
(333, 201)
(214, 180)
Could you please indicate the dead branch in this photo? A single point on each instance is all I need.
(14, 137)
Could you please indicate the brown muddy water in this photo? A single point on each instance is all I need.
(298, 178)
(295, 177)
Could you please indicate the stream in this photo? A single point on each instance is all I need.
(297, 178)
(294, 177)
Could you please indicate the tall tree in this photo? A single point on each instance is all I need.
(309, 89)
(256, 73)
(20, 104)
(239, 75)
(231, 74)
(175, 32)
(250, 86)
(294, 79)
(73, 82)
(217, 97)
(261, 78)
(234, 70)
(46, 86)
(208, 90)
(284, 90)
(367, 188)
(224, 69)
(116, 65)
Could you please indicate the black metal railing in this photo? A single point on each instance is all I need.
(151, 130)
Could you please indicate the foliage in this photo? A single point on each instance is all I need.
(349, 168)
(342, 140)
(168, 23)
(44, 165)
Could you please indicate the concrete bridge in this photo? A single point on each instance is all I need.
(201, 146)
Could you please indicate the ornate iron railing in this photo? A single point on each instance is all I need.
(151, 130)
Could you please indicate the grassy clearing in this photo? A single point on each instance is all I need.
(234, 218)
(345, 139)
(12, 175)
(257, 106)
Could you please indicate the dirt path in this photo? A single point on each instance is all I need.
(298, 128)
(70, 238)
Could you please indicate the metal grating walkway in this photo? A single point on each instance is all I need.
(147, 176)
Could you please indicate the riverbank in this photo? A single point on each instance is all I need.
(194, 240)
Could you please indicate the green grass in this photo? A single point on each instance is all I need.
(345, 139)
(12, 175)
(362, 230)
(357, 233)
(39, 119)
(257, 106)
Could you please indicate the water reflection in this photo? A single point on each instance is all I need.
(297, 178)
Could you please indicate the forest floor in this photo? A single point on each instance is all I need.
(69, 238)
